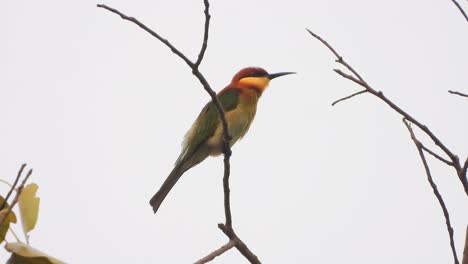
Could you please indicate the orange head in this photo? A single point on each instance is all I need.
(255, 78)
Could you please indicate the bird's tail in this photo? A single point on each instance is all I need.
(171, 180)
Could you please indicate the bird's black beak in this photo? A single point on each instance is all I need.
(274, 75)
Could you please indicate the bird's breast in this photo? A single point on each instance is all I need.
(239, 121)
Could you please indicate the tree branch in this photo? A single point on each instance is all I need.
(465, 167)
(437, 156)
(434, 189)
(465, 250)
(18, 176)
(226, 134)
(15, 200)
(349, 77)
(243, 249)
(348, 97)
(201, 54)
(218, 252)
(147, 29)
(461, 9)
(454, 160)
(458, 93)
(461, 173)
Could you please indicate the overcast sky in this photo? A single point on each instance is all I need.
(99, 108)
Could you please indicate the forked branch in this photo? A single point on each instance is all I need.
(419, 146)
(233, 239)
(452, 161)
(18, 190)
(356, 78)
(18, 176)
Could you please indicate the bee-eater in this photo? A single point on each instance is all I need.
(205, 137)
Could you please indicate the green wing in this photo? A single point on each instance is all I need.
(206, 123)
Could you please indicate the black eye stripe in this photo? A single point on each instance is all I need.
(257, 74)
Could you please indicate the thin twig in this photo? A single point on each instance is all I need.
(147, 29)
(15, 200)
(339, 59)
(349, 77)
(205, 34)
(434, 189)
(338, 56)
(437, 156)
(18, 175)
(461, 9)
(465, 250)
(461, 173)
(243, 249)
(458, 93)
(14, 234)
(348, 97)
(218, 252)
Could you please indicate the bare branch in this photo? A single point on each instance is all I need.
(359, 80)
(434, 189)
(437, 156)
(454, 160)
(461, 9)
(350, 77)
(15, 200)
(218, 252)
(458, 93)
(465, 250)
(465, 167)
(18, 176)
(227, 190)
(349, 96)
(147, 29)
(243, 249)
(339, 59)
(205, 34)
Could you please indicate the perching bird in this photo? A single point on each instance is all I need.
(205, 137)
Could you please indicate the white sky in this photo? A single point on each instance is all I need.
(98, 108)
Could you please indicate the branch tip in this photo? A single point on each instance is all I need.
(348, 97)
(458, 93)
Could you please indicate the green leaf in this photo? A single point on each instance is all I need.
(11, 218)
(29, 207)
(25, 254)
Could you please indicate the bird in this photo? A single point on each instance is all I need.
(205, 137)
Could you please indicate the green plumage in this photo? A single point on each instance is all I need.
(195, 147)
(206, 123)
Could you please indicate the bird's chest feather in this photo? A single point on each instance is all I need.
(239, 121)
